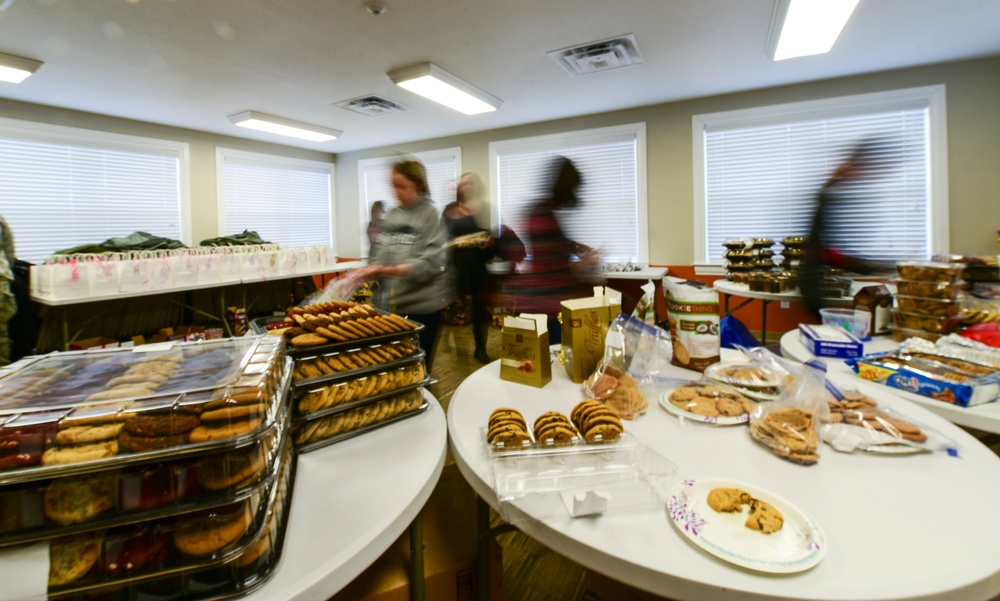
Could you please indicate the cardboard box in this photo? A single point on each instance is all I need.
(524, 351)
(585, 322)
(877, 300)
(828, 341)
(89, 343)
(449, 553)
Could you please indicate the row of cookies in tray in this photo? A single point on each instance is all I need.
(98, 432)
(335, 363)
(589, 421)
(362, 387)
(327, 427)
(324, 323)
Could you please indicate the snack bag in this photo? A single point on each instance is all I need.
(611, 382)
(693, 315)
(645, 309)
(790, 426)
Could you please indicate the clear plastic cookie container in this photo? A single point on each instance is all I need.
(225, 553)
(936, 307)
(929, 271)
(346, 391)
(923, 289)
(314, 432)
(80, 412)
(929, 323)
(353, 361)
(66, 505)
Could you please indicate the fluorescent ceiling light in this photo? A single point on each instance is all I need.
(284, 127)
(806, 27)
(15, 69)
(433, 82)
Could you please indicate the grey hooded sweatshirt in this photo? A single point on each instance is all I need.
(413, 235)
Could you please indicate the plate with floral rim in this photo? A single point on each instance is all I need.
(797, 546)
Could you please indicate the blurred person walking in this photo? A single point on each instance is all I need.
(558, 266)
(374, 224)
(470, 247)
(847, 184)
(408, 261)
(8, 304)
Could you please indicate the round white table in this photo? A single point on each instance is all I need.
(985, 417)
(352, 500)
(913, 527)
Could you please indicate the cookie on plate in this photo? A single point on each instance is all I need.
(764, 517)
(728, 500)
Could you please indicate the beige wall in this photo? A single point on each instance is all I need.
(202, 145)
(973, 98)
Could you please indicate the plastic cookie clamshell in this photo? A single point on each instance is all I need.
(799, 545)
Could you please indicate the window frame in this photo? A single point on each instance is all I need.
(424, 157)
(937, 151)
(557, 141)
(274, 161)
(35, 131)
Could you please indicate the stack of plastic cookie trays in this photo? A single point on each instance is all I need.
(346, 388)
(159, 472)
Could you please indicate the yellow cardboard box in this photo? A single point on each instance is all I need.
(524, 356)
(585, 322)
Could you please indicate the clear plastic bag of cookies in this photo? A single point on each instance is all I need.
(611, 382)
(790, 426)
(857, 422)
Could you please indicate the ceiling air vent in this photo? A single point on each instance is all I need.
(372, 106)
(599, 56)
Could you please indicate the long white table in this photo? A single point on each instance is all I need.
(352, 500)
(913, 527)
(985, 417)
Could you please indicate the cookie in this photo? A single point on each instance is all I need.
(728, 500)
(74, 500)
(80, 453)
(223, 472)
(161, 425)
(308, 339)
(87, 434)
(555, 434)
(234, 412)
(510, 437)
(764, 517)
(71, 557)
(603, 433)
(212, 531)
(141, 444)
(224, 430)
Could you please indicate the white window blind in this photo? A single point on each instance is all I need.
(762, 178)
(64, 187)
(286, 201)
(611, 214)
(375, 181)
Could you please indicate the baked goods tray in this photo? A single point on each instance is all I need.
(413, 355)
(140, 560)
(580, 480)
(64, 506)
(312, 434)
(246, 425)
(259, 327)
(352, 403)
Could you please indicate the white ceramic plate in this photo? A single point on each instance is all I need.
(716, 372)
(721, 420)
(799, 545)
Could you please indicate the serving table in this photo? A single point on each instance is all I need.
(897, 527)
(985, 417)
(352, 500)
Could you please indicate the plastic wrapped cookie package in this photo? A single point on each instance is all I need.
(62, 506)
(790, 426)
(168, 402)
(223, 553)
(317, 431)
(589, 424)
(331, 397)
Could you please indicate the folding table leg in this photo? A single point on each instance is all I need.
(417, 582)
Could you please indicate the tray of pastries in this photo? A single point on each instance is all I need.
(180, 557)
(590, 422)
(353, 361)
(62, 506)
(209, 396)
(318, 431)
(345, 393)
(321, 327)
